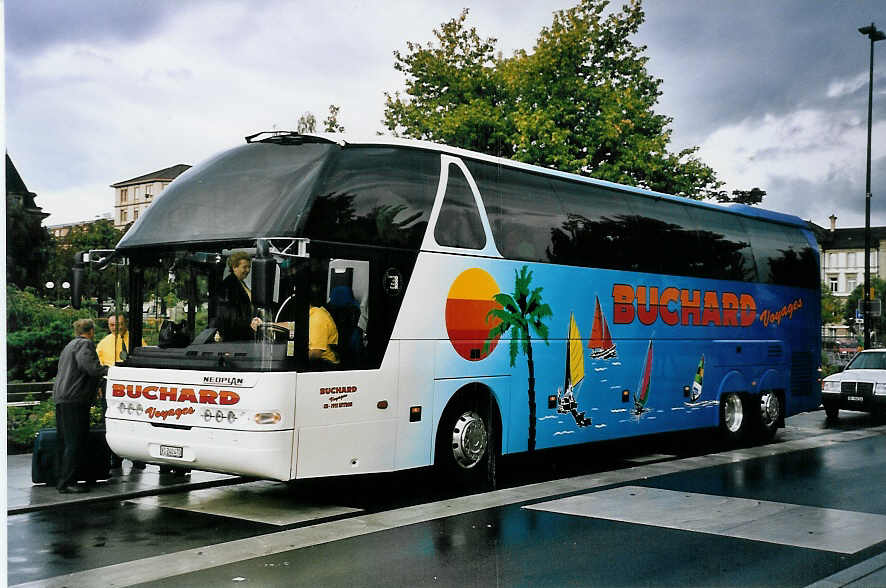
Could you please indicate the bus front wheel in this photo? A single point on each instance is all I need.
(733, 417)
(465, 455)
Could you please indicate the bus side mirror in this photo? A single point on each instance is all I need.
(264, 276)
(77, 278)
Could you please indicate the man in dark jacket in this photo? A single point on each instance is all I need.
(74, 391)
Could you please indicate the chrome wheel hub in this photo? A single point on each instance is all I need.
(769, 409)
(733, 413)
(469, 440)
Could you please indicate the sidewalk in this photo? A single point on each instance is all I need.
(22, 496)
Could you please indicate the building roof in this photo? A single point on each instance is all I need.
(849, 238)
(15, 186)
(168, 174)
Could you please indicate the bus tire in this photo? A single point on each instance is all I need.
(771, 415)
(734, 417)
(467, 447)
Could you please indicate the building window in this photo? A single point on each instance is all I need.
(122, 216)
(832, 260)
(834, 286)
(873, 259)
(850, 259)
(123, 194)
(135, 214)
(147, 196)
(851, 284)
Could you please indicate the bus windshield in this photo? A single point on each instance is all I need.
(259, 189)
(198, 310)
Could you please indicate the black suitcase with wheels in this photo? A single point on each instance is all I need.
(96, 462)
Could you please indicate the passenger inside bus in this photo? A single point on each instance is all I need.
(323, 336)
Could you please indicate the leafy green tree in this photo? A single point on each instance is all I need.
(753, 196)
(831, 307)
(878, 324)
(28, 248)
(522, 313)
(582, 101)
(36, 334)
(100, 234)
(331, 124)
(307, 123)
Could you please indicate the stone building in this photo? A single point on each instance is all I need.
(132, 197)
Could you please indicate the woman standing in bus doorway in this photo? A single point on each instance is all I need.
(235, 300)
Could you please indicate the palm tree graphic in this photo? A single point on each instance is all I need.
(522, 311)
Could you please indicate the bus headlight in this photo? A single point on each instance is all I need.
(268, 418)
(880, 388)
(830, 386)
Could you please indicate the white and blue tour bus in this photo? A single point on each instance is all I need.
(482, 307)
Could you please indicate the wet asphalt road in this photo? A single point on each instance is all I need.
(504, 545)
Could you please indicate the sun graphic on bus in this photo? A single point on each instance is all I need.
(467, 304)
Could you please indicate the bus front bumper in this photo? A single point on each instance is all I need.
(262, 454)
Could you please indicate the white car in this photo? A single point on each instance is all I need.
(860, 386)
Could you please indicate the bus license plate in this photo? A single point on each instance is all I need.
(170, 451)
(856, 399)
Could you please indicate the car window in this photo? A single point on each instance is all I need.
(868, 361)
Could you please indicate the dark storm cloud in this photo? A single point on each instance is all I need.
(739, 60)
(34, 25)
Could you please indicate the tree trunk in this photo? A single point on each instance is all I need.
(531, 392)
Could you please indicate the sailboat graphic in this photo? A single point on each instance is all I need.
(575, 373)
(645, 385)
(601, 344)
(695, 390)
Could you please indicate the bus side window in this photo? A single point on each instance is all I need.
(459, 222)
(348, 303)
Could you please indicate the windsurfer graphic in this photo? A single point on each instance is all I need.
(575, 373)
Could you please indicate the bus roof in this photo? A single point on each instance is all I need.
(205, 204)
(750, 211)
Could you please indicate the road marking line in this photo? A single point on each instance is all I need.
(826, 529)
(193, 560)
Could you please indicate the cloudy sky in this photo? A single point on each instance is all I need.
(98, 91)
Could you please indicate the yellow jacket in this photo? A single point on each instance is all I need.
(108, 352)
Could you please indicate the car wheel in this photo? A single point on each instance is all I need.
(831, 411)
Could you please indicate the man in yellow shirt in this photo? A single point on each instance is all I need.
(115, 345)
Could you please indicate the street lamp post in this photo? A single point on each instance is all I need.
(874, 35)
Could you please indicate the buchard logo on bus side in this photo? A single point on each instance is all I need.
(173, 394)
(675, 306)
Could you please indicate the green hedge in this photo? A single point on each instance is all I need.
(36, 334)
(23, 423)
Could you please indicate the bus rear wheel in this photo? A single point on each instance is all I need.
(733, 417)
(466, 449)
(771, 414)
